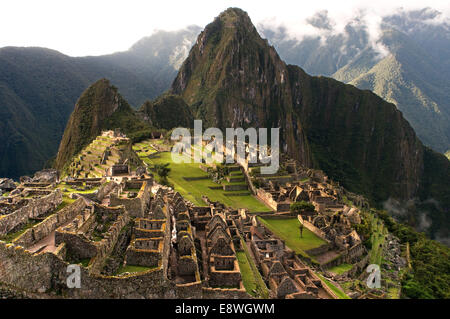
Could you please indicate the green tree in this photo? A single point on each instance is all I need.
(302, 207)
(162, 170)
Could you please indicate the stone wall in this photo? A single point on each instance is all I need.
(77, 246)
(312, 228)
(135, 206)
(319, 250)
(235, 187)
(224, 278)
(106, 245)
(46, 272)
(249, 182)
(105, 189)
(266, 198)
(217, 293)
(346, 256)
(35, 208)
(143, 258)
(44, 228)
(189, 290)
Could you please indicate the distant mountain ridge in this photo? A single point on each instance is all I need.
(408, 66)
(39, 87)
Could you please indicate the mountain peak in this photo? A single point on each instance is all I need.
(100, 107)
(232, 16)
(229, 24)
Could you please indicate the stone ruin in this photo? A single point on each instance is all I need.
(223, 268)
(286, 275)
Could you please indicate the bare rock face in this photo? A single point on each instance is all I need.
(46, 176)
(25, 179)
(7, 184)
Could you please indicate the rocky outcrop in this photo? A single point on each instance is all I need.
(6, 185)
(42, 176)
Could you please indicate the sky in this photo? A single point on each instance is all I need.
(96, 27)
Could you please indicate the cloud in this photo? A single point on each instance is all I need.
(335, 21)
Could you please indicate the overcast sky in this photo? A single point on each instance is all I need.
(94, 27)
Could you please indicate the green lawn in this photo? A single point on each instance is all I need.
(143, 149)
(132, 269)
(250, 275)
(335, 289)
(11, 236)
(247, 274)
(288, 230)
(193, 190)
(340, 269)
(66, 201)
(70, 189)
(377, 239)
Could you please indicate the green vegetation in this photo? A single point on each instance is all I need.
(84, 262)
(301, 207)
(336, 290)
(168, 111)
(132, 269)
(430, 274)
(143, 148)
(66, 201)
(248, 277)
(95, 111)
(340, 269)
(193, 190)
(68, 189)
(11, 236)
(377, 238)
(288, 230)
(162, 170)
(253, 282)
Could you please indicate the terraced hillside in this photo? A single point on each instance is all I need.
(96, 158)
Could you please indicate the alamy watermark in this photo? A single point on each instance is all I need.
(74, 278)
(240, 146)
(374, 278)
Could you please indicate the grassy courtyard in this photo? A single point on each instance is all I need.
(339, 270)
(132, 269)
(194, 189)
(288, 230)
